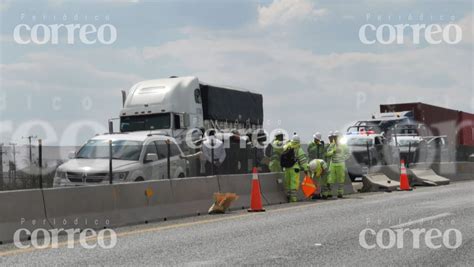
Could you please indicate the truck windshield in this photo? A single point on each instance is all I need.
(121, 149)
(145, 122)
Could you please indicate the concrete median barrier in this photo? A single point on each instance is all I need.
(150, 201)
(374, 182)
(419, 174)
(455, 171)
(20, 209)
(144, 202)
(134, 203)
(241, 184)
(426, 176)
(391, 171)
(271, 185)
(82, 207)
(193, 196)
(348, 188)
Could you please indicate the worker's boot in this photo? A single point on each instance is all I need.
(293, 196)
(340, 191)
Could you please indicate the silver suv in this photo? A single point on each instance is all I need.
(136, 156)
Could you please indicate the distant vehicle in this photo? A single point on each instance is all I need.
(383, 122)
(456, 127)
(414, 148)
(177, 104)
(408, 147)
(367, 149)
(135, 157)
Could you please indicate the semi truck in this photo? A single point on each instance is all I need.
(457, 127)
(175, 105)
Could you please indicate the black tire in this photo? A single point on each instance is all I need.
(139, 179)
(181, 175)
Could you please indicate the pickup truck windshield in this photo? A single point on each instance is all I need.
(121, 149)
(145, 122)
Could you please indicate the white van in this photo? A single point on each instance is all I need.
(136, 156)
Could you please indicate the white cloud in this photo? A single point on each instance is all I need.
(285, 12)
(298, 83)
(51, 72)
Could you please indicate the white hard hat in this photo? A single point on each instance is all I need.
(337, 133)
(278, 133)
(296, 138)
(317, 136)
(313, 165)
(330, 133)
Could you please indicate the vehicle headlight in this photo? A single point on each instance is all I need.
(61, 174)
(120, 175)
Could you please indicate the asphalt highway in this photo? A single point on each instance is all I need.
(306, 233)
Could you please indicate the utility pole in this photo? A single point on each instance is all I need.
(14, 160)
(1, 166)
(30, 137)
(40, 163)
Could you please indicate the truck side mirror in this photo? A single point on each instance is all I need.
(151, 157)
(71, 154)
(111, 127)
(124, 98)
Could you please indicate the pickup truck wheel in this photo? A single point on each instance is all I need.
(181, 175)
(139, 179)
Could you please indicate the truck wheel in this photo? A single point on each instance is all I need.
(181, 175)
(139, 179)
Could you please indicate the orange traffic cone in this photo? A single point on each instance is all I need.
(404, 184)
(256, 196)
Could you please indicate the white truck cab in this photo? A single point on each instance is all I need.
(136, 156)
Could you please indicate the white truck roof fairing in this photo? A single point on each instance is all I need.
(162, 95)
(131, 136)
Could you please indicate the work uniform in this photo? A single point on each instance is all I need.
(338, 154)
(277, 149)
(319, 172)
(292, 174)
(317, 150)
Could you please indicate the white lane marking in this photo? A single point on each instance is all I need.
(422, 220)
(318, 244)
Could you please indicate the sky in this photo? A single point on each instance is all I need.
(305, 57)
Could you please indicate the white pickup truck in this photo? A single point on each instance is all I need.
(136, 156)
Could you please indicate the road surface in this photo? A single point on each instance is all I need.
(309, 233)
